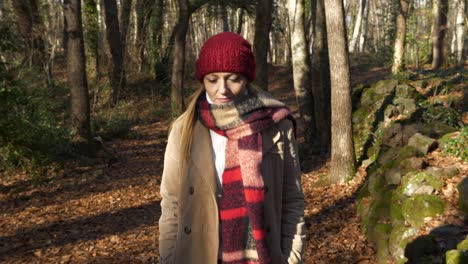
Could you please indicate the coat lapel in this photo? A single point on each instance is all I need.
(270, 137)
(202, 156)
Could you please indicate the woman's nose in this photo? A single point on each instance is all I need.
(223, 89)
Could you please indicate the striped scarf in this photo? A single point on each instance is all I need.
(243, 233)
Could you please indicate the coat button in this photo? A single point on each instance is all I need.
(187, 230)
(191, 190)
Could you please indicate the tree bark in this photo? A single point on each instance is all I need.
(177, 76)
(357, 25)
(240, 21)
(460, 31)
(262, 41)
(31, 30)
(342, 152)
(116, 70)
(365, 23)
(301, 70)
(124, 24)
(400, 40)
(439, 33)
(76, 76)
(91, 31)
(321, 76)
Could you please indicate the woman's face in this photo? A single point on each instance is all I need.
(224, 87)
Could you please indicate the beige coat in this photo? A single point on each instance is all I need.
(188, 227)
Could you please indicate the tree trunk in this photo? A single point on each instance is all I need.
(357, 25)
(321, 76)
(116, 71)
(124, 24)
(439, 33)
(177, 76)
(261, 41)
(240, 22)
(301, 70)
(31, 30)
(342, 152)
(365, 23)
(460, 31)
(91, 31)
(76, 75)
(399, 50)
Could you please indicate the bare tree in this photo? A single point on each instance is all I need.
(116, 70)
(460, 30)
(177, 77)
(76, 76)
(357, 25)
(301, 68)
(342, 150)
(439, 33)
(321, 75)
(262, 41)
(31, 29)
(399, 50)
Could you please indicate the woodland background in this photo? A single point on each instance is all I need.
(89, 88)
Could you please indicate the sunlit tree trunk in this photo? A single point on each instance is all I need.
(399, 49)
(240, 21)
(357, 26)
(301, 69)
(439, 33)
(364, 33)
(342, 150)
(116, 71)
(177, 76)
(460, 30)
(76, 75)
(91, 31)
(261, 41)
(321, 75)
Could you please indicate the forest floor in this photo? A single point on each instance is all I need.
(106, 210)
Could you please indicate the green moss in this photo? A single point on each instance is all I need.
(417, 207)
(396, 212)
(411, 182)
(463, 245)
(399, 238)
(408, 152)
(456, 257)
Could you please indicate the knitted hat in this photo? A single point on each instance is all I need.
(226, 52)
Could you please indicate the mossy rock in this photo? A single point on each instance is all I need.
(396, 211)
(443, 173)
(412, 183)
(372, 99)
(399, 238)
(379, 237)
(408, 152)
(446, 139)
(417, 207)
(405, 106)
(436, 129)
(463, 195)
(463, 245)
(456, 257)
(385, 86)
(376, 182)
(422, 143)
(406, 91)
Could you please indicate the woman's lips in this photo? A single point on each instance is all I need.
(223, 100)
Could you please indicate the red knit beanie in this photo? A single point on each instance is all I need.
(226, 52)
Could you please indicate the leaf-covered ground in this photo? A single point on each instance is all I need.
(107, 210)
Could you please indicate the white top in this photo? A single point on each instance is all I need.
(218, 146)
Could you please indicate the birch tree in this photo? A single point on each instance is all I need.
(357, 26)
(460, 31)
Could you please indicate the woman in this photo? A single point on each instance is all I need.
(231, 189)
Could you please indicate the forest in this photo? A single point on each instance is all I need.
(89, 89)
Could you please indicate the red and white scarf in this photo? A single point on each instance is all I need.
(243, 232)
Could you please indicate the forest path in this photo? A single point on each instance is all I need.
(107, 210)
